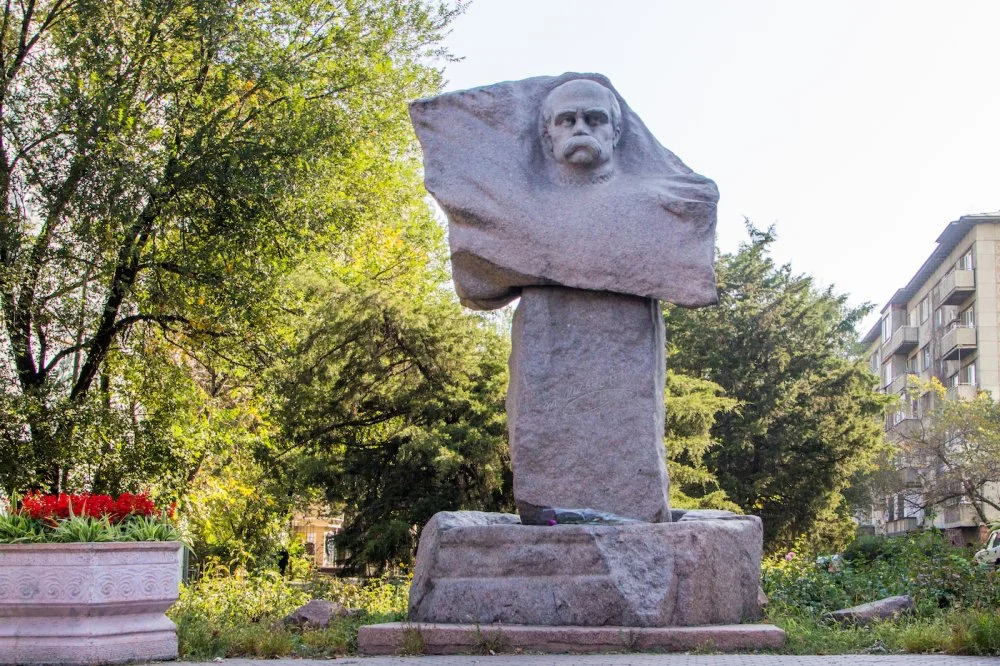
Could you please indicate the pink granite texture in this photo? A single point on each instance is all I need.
(88, 603)
(469, 638)
(702, 568)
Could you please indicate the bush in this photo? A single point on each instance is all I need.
(238, 614)
(868, 548)
(234, 598)
(386, 597)
(977, 633)
(956, 601)
(924, 566)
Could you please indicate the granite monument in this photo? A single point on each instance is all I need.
(556, 193)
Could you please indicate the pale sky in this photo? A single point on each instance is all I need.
(860, 129)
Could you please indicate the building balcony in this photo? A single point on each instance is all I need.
(904, 339)
(901, 526)
(959, 339)
(903, 425)
(962, 392)
(898, 383)
(961, 515)
(957, 286)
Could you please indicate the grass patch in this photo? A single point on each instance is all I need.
(413, 642)
(977, 633)
(951, 632)
(957, 602)
(491, 641)
(238, 614)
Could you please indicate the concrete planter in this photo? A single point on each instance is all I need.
(88, 603)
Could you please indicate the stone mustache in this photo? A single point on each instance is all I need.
(557, 193)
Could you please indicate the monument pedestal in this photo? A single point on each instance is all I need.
(402, 637)
(484, 568)
(679, 585)
(585, 404)
(556, 192)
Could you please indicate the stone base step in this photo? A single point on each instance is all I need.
(419, 638)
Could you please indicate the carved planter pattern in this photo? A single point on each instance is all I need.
(88, 603)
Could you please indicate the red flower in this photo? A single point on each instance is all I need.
(61, 506)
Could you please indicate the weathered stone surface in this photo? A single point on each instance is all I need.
(637, 221)
(475, 567)
(470, 638)
(317, 613)
(882, 609)
(88, 603)
(585, 404)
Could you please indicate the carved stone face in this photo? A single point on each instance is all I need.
(581, 122)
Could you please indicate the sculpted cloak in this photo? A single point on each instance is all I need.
(647, 230)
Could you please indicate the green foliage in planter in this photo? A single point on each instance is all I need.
(83, 529)
(85, 518)
(150, 528)
(19, 528)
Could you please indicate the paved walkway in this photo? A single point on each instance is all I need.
(627, 660)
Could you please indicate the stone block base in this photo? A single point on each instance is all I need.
(84, 645)
(485, 568)
(88, 603)
(399, 637)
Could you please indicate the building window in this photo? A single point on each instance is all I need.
(946, 317)
(913, 364)
(964, 262)
(887, 374)
(925, 309)
(925, 358)
(886, 328)
(873, 362)
(967, 375)
(967, 318)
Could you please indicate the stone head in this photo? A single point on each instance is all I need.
(581, 125)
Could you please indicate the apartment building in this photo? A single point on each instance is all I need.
(944, 323)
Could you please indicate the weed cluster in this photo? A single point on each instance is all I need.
(239, 614)
(956, 600)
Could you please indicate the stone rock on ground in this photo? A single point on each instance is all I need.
(484, 568)
(317, 613)
(882, 609)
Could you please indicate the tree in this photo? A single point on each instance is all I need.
(692, 407)
(393, 403)
(163, 165)
(954, 450)
(809, 413)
